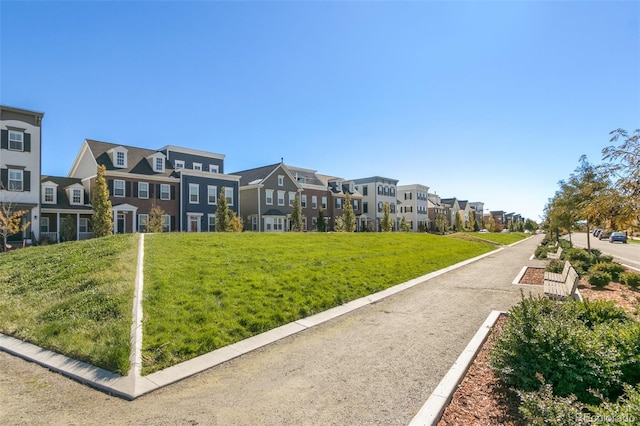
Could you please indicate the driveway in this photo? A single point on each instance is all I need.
(375, 365)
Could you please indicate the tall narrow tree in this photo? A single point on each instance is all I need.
(296, 215)
(102, 220)
(387, 223)
(349, 217)
(322, 223)
(222, 213)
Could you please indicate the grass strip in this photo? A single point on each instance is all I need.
(74, 298)
(205, 291)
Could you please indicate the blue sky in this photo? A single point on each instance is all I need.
(484, 101)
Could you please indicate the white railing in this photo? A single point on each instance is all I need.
(86, 235)
(51, 236)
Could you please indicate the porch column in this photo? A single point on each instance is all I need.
(134, 221)
(58, 227)
(77, 226)
(115, 221)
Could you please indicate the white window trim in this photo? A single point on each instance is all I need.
(280, 180)
(314, 202)
(209, 218)
(143, 222)
(324, 203)
(124, 158)
(158, 164)
(53, 197)
(73, 195)
(85, 226)
(166, 222)
(213, 168)
(139, 190)
(215, 195)
(124, 190)
(179, 164)
(303, 201)
(42, 226)
(197, 188)
(292, 198)
(168, 192)
(21, 134)
(229, 198)
(197, 166)
(268, 195)
(281, 198)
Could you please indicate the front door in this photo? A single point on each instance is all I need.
(122, 223)
(194, 224)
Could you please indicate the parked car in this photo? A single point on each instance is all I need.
(604, 235)
(483, 231)
(597, 232)
(618, 236)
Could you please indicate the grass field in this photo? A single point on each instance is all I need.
(495, 237)
(73, 298)
(202, 291)
(218, 289)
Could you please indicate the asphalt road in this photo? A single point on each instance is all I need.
(628, 254)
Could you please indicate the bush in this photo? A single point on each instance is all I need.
(599, 279)
(541, 252)
(573, 346)
(542, 408)
(580, 255)
(631, 279)
(625, 411)
(555, 266)
(565, 244)
(613, 269)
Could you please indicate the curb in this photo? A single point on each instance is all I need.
(432, 410)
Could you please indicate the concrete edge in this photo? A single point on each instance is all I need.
(432, 410)
(135, 385)
(630, 267)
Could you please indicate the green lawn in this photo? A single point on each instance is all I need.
(74, 298)
(205, 291)
(496, 237)
(202, 291)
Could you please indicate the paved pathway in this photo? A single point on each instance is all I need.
(376, 365)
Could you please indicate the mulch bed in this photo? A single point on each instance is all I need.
(533, 276)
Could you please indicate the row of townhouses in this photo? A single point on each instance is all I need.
(187, 184)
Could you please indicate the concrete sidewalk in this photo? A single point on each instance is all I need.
(375, 365)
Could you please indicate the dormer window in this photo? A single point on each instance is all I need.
(49, 193)
(118, 157)
(213, 168)
(339, 186)
(179, 164)
(158, 165)
(197, 166)
(280, 180)
(76, 194)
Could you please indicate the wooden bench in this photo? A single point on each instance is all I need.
(562, 277)
(555, 255)
(562, 290)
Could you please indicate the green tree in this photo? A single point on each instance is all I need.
(339, 225)
(102, 220)
(471, 223)
(530, 225)
(322, 223)
(349, 217)
(387, 223)
(155, 223)
(441, 223)
(296, 215)
(404, 225)
(222, 213)
(236, 223)
(68, 229)
(458, 225)
(491, 226)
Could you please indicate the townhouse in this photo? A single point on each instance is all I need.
(20, 163)
(375, 191)
(337, 189)
(415, 206)
(64, 199)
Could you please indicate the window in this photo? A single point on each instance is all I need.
(143, 222)
(365, 207)
(303, 201)
(281, 198)
(143, 190)
(165, 193)
(16, 140)
(355, 204)
(44, 224)
(76, 196)
(254, 223)
(379, 189)
(314, 222)
(118, 188)
(314, 202)
(49, 195)
(121, 159)
(194, 196)
(339, 186)
(212, 194)
(228, 192)
(379, 206)
(292, 198)
(386, 190)
(392, 191)
(15, 180)
(393, 208)
(213, 168)
(280, 180)
(300, 180)
(269, 196)
(166, 223)
(197, 166)
(179, 164)
(211, 223)
(158, 165)
(83, 226)
(324, 203)
(365, 189)
(338, 203)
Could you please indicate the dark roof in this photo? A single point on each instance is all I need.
(259, 173)
(62, 199)
(309, 176)
(273, 212)
(136, 159)
(463, 204)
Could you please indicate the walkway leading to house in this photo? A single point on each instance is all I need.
(375, 365)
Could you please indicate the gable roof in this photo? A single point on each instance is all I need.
(62, 199)
(260, 174)
(136, 158)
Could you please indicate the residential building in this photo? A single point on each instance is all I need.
(498, 218)
(336, 191)
(64, 199)
(20, 160)
(415, 206)
(376, 191)
(478, 209)
(435, 208)
(452, 209)
(312, 197)
(267, 195)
